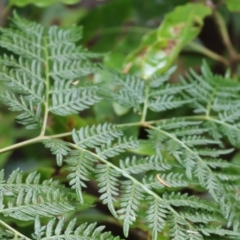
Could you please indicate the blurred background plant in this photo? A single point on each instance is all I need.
(140, 37)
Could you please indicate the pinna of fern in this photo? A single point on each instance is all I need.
(45, 76)
(44, 72)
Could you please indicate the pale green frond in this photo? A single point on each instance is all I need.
(158, 80)
(157, 140)
(110, 150)
(72, 70)
(58, 148)
(108, 184)
(80, 166)
(179, 123)
(166, 102)
(156, 216)
(220, 233)
(16, 182)
(126, 90)
(183, 200)
(27, 27)
(95, 135)
(56, 230)
(45, 56)
(167, 180)
(66, 103)
(201, 217)
(135, 166)
(31, 112)
(28, 204)
(180, 231)
(129, 204)
(64, 52)
(18, 82)
(30, 47)
(168, 89)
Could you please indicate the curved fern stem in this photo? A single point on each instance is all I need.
(16, 233)
(145, 105)
(33, 140)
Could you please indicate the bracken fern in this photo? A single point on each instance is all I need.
(46, 74)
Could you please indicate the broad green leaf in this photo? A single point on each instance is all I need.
(161, 47)
(233, 5)
(40, 3)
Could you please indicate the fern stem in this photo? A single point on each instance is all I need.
(134, 180)
(16, 233)
(129, 124)
(225, 36)
(145, 105)
(47, 79)
(33, 140)
(201, 49)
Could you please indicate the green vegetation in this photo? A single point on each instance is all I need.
(136, 138)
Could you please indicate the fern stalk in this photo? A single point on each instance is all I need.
(14, 231)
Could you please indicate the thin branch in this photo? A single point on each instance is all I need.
(16, 233)
(224, 33)
(33, 140)
(145, 105)
(207, 52)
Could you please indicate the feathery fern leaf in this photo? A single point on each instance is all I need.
(108, 183)
(44, 58)
(80, 165)
(156, 216)
(57, 147)
(130, 201)
(135, 166)
(58, 230)
(110, 150)
(96, 135)
(16, 183)
(27, 205)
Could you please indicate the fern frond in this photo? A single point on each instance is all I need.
(166, 102)
(18, 81)
(27, 205)
(43, 58)
(16, 182)
(80, 166)
(129, 204)
(66, 103)
(95, 135)
(28, 46)
(108, 183)
(126, 90)
(158, 80)
(31, 112)
(72, 70)
(183, 200)
(201, 217)
(180, 231)
(136, 166)
(58, 230)
(170, 180)
(110, 150)
(58, 148)
(156, 216)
